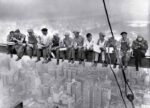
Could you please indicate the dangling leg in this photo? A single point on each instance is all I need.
(57, 56)
(73, 55)
(79, 51)
(136, 55)
(29, 51)
(20, 52)
(39, 51)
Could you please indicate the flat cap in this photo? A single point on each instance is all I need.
(44, 29)
(66, 34)
(30, 30)
(102, 34)
(123, 33)
(56, 33)
(76, 32)
(17, 31)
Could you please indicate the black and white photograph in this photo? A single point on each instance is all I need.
(74, 53)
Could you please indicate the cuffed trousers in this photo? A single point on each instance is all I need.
(138, 58)
(44, 52)
(20, 49)
(31, 51)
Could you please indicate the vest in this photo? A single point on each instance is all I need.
(125, 45)
(55, 42)
(32, 40)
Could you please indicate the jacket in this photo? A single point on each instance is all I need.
(140, 45)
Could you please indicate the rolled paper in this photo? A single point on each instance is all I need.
(39, 46)
(10, 43)
(63, 49)
(109, 49)
(30, 45)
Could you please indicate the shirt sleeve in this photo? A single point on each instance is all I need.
(8, 38)
(118, 44)
(84, 43)
(49, 41)
(145, 46)
(133, 45)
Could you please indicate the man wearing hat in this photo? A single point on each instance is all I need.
(20, 43)
(31, 43)
(43, 46)
(124, 44)
(67, 44)
(111, 43)
(56, 46)
(101, 43)
(78, 42)
(10, 43)
(139, 46)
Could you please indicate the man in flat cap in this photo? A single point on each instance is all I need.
(124, 44)
(31, 43)
(43, 46)
(20, 43)
(78, 42)
(56, 46)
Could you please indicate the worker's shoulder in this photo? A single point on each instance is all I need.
(22, 35)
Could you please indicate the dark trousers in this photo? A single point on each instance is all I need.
(10, 49)
(88, 54)
(79, 52)
(56, 53)
(44, 52)
(20, 49)
(125, 57)
(138, 54)
(31, 51)
(69, 54)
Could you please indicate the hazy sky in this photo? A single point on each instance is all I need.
(36, 9)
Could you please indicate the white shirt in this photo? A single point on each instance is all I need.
(88, 44)
(45, 40)
(101, 44)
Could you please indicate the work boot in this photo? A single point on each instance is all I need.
(45, 61)
(30, 57)
(11, 55)
(72, 62)
(137, 69)
(49, 59)
(57, 62)
(37, 60)
(69, 60)
(80, 62)
(114, 66)
(95, 64)
(119, 66)
(18, 59)
(83, 63)
(125, 67)
(103, 64)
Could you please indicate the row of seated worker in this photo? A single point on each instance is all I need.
(47, 46)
